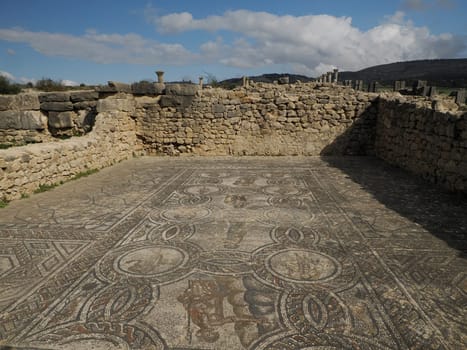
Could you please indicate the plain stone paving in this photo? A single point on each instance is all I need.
(236, 253)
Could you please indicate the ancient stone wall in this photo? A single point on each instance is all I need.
(41, 117)
(112, 139)
(264, 119)
(260, 119)
(425, 139)
(21, 120)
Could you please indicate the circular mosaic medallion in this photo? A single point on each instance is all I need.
(158, 262)
(302, 266)
(150, 261)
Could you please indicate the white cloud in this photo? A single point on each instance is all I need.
(308, 44)
(100, 48)
(314, 43)
(11, 52)
(21, 80)
(398, 18)
(69, 83)
(7, 75)
(322, 68)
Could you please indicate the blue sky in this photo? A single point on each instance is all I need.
(96, 41)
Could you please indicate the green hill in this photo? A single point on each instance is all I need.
(450, 73)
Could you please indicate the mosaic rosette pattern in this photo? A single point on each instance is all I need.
(235, 254)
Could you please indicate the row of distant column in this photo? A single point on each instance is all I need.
(419, 87)
(333, 77)
(329, 77)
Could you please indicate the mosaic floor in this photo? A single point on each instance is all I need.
(250, 253)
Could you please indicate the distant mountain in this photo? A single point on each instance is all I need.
(444, 72)
(451, 73)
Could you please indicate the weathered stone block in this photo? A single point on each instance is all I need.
(54, 97)
(281, 100)
(147, 88)
(22, 120)
(10, 120)
(6, 102)
(33, 120)
(57, 106)
(218, 108)
(82, 96)
(175, 101)
(63, 120)
(85, 105)
(147, 102)
(19, 102)
(181, 89)
(159, 88)
(27, 102)
(115, 104)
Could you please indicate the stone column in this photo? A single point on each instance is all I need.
(335, 75)
(397, 85)
(201, 82)
(160, 76)
(373, 86)
(284, 80)
(426, 91)
(418, 87)
(358, 85)
(460, 97)
(244, 81)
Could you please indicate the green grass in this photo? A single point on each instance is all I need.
(84, 174)
(17, 144)
(48, 187)
(45, 187)
(3, 203)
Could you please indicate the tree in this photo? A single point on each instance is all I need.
(211, 79)
(6, 87)
(47, 84)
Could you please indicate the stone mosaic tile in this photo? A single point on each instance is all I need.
(236, 253)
